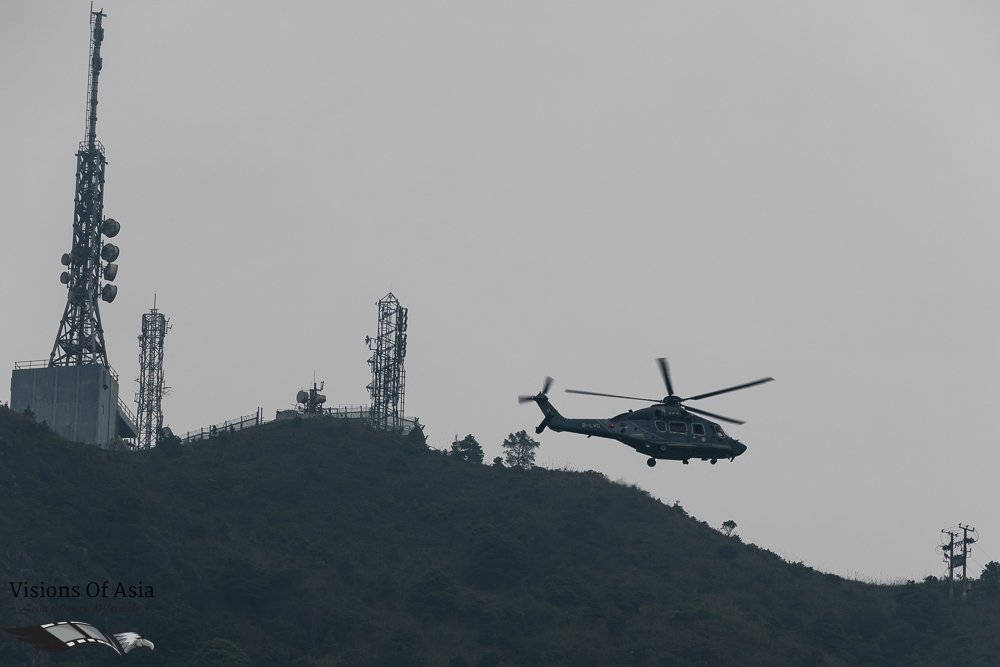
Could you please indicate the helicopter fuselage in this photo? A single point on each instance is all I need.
(665, 430)
(659, 431)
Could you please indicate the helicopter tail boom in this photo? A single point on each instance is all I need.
(552, 417)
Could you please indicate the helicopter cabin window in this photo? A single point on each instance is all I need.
(698, 429)
(678, 427)
(661, 426)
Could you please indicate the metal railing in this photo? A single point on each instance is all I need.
(124, 409)
(364, 413)
(46, 363)
(34, 363)
(85, 146)
(228, 426)
(360, 412)
(349, 411)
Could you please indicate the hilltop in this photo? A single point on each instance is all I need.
(321, 542)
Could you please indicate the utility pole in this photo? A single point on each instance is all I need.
(966, 541)
(949, 557)
(969, 536)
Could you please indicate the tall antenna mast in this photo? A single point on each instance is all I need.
(388, 385)
(96, 37)
(151, 389)
(80, 339)
(86, 407)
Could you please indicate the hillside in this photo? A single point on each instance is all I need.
(320, 542)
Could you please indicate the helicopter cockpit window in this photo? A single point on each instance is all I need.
(698, 429)
(661, 426)
(678, 427)
(719, 432)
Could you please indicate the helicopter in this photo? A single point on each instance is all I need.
(664, 430)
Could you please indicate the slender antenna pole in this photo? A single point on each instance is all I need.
(80, 338)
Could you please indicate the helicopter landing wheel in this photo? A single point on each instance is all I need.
(714, 461)
(651, 462)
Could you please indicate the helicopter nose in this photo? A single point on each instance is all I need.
(739, 448)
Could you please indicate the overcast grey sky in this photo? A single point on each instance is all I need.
(797, 189)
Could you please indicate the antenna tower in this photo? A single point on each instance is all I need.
(310, 401)
(80, 339)
(388, 385)
(150, 395)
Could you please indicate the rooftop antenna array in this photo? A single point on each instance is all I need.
(388, 385)
(80, 339)
(310, 401)
(151, 389)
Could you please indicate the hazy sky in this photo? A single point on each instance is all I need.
(797, 189)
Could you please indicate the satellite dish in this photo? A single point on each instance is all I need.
(110, 271)
(66, 259)
(110, 228)
(109, 292)
(109, 252)
(320, 398)
(302, 396)
(64, 277)
(167, 433)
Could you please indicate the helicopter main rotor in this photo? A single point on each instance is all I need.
(672, 399)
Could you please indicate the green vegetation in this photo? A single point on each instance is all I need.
(467, 449)
(519, 450)
(318, 542)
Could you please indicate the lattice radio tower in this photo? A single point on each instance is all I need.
(150, 395)
(80, 340)
(388, 385)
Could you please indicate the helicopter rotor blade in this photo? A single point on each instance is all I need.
(546, 385)
(630, 398)
(665, 370)
(712, 414)
(728, 389)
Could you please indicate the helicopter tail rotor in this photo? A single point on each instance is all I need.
(542, 395)
(542, 399)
